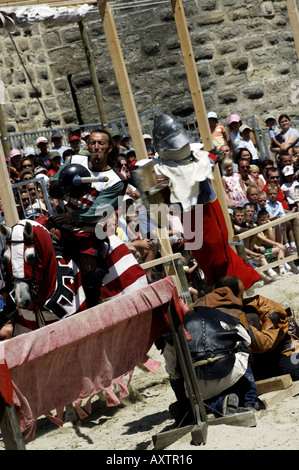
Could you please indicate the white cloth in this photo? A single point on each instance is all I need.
(185, 175)
(291, 191)
(248, 144)
(22, 16)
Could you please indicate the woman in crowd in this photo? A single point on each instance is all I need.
(290, 134)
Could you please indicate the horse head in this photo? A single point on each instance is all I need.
(24, 259)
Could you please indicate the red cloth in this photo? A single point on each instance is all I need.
(216, 258)
(125, 274)
(79, 356)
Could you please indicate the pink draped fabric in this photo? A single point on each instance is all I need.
(79, 356)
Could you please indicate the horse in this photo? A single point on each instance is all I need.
(45, 287)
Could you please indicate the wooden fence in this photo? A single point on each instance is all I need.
(290, 217)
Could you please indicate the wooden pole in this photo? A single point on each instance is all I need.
(192, 74)
(131, 112)
(6, 194)
(294, 21)
(198, 103)
(122, 79)
(93, 73)
(4, 135)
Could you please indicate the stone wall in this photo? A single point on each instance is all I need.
(244, 51)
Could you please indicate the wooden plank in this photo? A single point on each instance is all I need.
(122, 79)
(274, 398)
(198, 103)
(273, 223)
(6, 194)
(166, 438)
(294, 22)
(274, 264)
(273, 384)
(245, 419)
(93, 72)
(192, 74)
(162, 260)
(52, 3)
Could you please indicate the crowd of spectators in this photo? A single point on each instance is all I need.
(258, 191)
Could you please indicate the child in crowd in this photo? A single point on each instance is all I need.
(252, 193)
(249, 216)
(267, 240)
(234, 188)
(254, 256)
(273, 206)
(55, 164)
(234, 123)
(283, 233)
(295, 154)
(290, 188)
(218, 131)
(247, 143)
(254, 175)
(277, 139)
(262, 200)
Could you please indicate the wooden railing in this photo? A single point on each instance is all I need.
(290, 217)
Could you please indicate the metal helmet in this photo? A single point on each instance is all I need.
(168, 134)
(66, 180)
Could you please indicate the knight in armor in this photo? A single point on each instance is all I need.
(189, 170)
(82, 206)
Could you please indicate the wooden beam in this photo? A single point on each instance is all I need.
(273, 223)
(93, 72)
(4, 134)
(6, 194)
(273, 384)
(198, 103)
(294, 22)
(192, 74)
(122, 79)
(25, 3)
(277, 397)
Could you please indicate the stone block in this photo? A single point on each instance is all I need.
(207, 19)
(18, 93)
(34, 108)
(22, 111)
(253, 92)
(151, 48)
(51, 40)
(208, 4)
(71, 35)
(253, 43)
(268, 10)
(239, 63)
(167, 61)
(220, 67)
(227, 97)
(81, 80)
(203, 53)
(226, 47)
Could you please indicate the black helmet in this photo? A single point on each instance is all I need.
(168, 134)
(66, 180)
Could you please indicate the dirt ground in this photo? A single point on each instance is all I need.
(132, 425)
